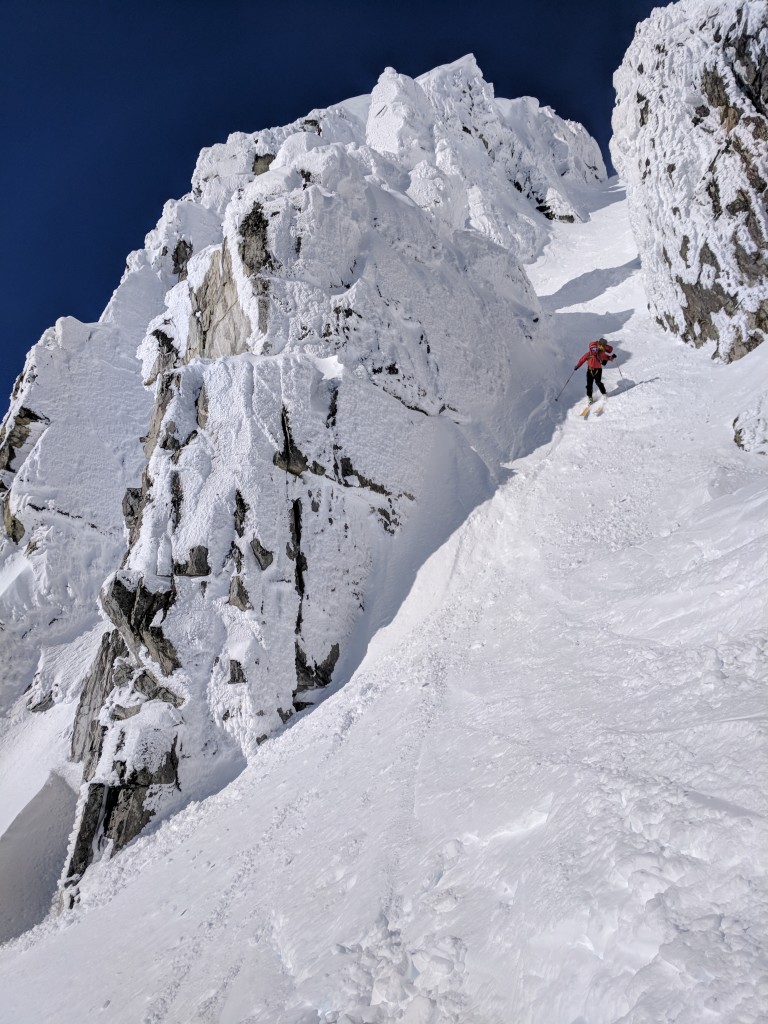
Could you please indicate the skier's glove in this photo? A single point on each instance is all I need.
(575, 368)
(613, 357)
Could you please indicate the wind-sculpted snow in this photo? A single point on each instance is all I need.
(691, 142)
(341, 348)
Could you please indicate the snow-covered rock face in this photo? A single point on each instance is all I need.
(691, 142)
(346, 349)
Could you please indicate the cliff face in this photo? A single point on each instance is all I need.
(341, 347)
(691, 143)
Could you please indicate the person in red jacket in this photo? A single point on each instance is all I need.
(599, 354)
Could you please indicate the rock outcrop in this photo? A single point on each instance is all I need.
(340, 345)
(691, 142)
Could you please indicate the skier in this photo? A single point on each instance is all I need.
(599, 355)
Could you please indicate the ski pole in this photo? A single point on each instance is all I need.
(562, 389)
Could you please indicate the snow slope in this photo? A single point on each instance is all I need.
(541, 796)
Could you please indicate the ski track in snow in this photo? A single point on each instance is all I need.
(542, 796)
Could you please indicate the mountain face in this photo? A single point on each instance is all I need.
(541, 796)
(691, 142)
(338, 347)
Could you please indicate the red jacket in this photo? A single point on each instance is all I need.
(599, 354)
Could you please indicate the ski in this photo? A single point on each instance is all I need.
(598, 411)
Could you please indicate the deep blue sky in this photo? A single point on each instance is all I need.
(104, 105)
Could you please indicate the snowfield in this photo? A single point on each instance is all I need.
(541, 797)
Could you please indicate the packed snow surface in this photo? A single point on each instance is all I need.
(541, 797)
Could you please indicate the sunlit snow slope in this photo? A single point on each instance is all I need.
(541, 796)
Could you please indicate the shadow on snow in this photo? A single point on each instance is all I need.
(589, 286)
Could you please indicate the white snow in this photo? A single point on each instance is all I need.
(541, 797)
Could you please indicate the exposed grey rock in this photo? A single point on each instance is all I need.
(290, 459)
(201, 407)
(262, 162)
(44, 703)
(236, 673)
(241, 510)
(312, 676)
(347, 470)
(166, 356)
(142, 777)
(132, 607)
(132, 507)
(14, 527)
(254, 251)
(117, 814)
(294, 552)
(146, 684)
(218, 326)
(134, 502)
(82, 853)
(238, 595)
(121, 714)
(86, 741)
(263, 557)
(256, 257)
(235, 555)
(125, 814)
(18, 430)
(169, 441)
(168, 386)
(196, 564)
(16, 435)
(181, 257)
(181, 445)
(177, 497)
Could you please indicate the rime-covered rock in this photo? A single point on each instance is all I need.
(339, 346)
(691, 142)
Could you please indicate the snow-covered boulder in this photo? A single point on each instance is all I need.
(691, 142)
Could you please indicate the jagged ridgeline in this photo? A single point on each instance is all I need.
(691, 143)
(338, 346)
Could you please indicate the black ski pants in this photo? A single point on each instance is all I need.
(595, 377)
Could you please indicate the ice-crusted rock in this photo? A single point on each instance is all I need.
(750, 428)
(691, 142)
(68, 455)
(340, 346)
(67, 450)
